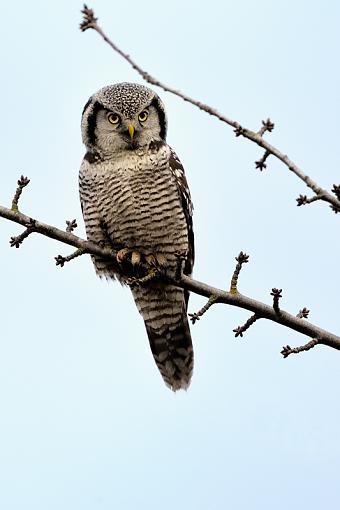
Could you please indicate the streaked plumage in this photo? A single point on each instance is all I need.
(134, 195)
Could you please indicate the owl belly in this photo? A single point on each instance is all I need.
(142, 211)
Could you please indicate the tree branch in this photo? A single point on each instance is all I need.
(261, 310)
(233, 297)
(89, 21)
(57, 234)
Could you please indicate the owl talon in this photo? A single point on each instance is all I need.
(127, 254)
(135, 258)
(151, 260)
(156, 260)
(132, 282)
(161, 259)
(121, 255)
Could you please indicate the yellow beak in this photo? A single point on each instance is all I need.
(131, 130)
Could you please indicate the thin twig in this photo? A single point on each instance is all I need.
(277, 295)
(90, 21)
(287, 350)
(267, 125)
(60, 260)
(261, 163)
(17, 241)
(241, 329)
(241, 259)
(22, 182)
(196, 315)
(59, 235)
(303, 200)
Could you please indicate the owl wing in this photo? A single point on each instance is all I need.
(177, 170)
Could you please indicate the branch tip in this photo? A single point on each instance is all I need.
(335, 209)
(241, 329)
(303, 200)
(242, 258)
(17, 241)
(197, 315)
(22, 182)
(89, 20)
(71, 225)
(277, 295)
(303, 313)
(336, 190)
(60, 260)
(239, 131)
(267, 125)
(261, 163)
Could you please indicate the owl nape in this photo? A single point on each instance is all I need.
(132, 182)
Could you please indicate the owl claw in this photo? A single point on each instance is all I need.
(122, 255)
(132, 281)
(128, 254)
(151, 260)
(156, 260)
(161, 259)
(135, 258)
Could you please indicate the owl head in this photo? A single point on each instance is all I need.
(124, 116)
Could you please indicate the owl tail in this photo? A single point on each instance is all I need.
(173, 354)
(165, 318)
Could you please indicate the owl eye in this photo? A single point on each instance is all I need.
(113, 118)
(143, 116)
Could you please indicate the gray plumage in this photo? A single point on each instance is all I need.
(135, 197)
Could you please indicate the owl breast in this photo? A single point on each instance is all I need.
(136, 199)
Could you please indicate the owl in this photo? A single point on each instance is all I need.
(135, 200)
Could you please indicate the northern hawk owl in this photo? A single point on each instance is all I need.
(135, 200)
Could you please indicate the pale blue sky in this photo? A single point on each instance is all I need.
(85, 419)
